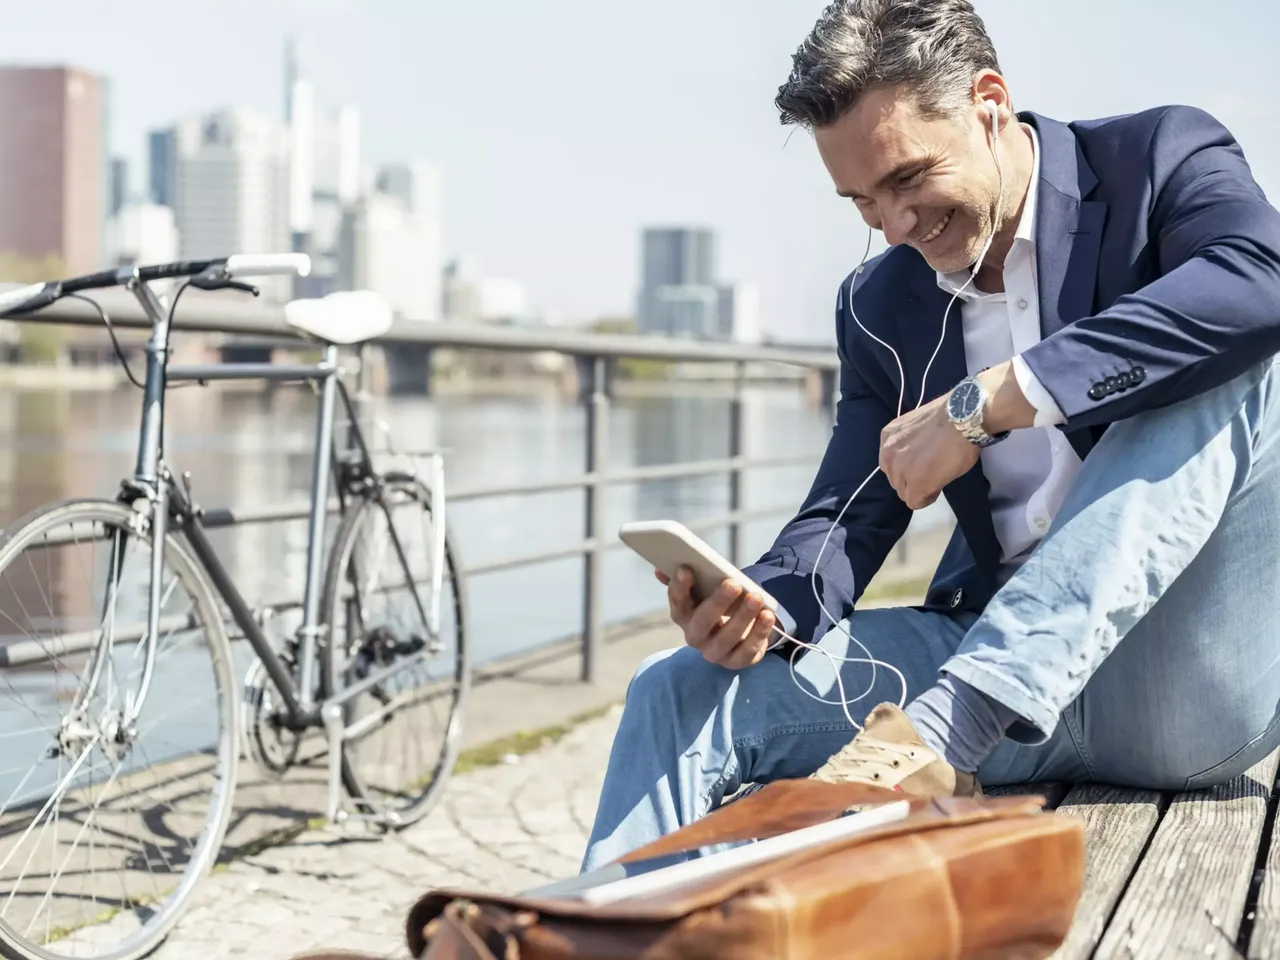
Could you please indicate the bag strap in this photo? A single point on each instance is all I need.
(470, 931)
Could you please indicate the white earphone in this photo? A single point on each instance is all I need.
(993, 111)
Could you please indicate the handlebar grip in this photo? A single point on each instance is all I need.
(21, 296)
(268, 264)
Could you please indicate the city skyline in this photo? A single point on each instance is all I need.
(559, 144)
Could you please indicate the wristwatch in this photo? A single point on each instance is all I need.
(966, 406)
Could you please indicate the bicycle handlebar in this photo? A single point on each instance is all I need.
(20, 296)
(37, 295)
(268, 264)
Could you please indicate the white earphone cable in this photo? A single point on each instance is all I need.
(844, 701)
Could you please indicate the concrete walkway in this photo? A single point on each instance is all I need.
(504, 828)
(504, 825)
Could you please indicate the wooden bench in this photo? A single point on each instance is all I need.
(1176, 874)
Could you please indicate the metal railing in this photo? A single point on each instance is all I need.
(594, 351)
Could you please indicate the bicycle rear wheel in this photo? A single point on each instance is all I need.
(106, 829)
(377, 594)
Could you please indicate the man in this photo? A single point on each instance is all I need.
(1101, 415)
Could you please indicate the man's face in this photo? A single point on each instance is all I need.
(931, 184)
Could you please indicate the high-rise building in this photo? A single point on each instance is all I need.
(395, 249)
(231, 187)
(142, 233)
(680, 294)
(678, 256)
(160, 163)
(417, 185)
(683, 310)
(300, 118)
(335, 187)
(52, 166)
(461, 296)
(119, 185)
(739, 313)
(337, 155)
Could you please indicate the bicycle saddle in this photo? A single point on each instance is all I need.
(344, 317)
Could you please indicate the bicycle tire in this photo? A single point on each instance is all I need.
(334, 656)
(180, 560)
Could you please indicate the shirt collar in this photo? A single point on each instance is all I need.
(1024, 236)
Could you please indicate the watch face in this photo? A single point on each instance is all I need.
(965, 400)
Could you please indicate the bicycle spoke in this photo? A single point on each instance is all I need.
(108, 815)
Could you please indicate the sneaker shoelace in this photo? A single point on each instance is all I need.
(873, 760)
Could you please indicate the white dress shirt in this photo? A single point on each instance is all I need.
(1030, 471)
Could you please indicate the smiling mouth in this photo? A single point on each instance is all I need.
(938, 228)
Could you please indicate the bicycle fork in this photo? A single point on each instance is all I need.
(117, 728)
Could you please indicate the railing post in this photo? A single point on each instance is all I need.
(597, 443)
(830, 391)
(735, 471)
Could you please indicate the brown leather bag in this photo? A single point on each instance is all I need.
(958, 879)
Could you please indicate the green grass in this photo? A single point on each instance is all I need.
(525, 741)
(898, 589)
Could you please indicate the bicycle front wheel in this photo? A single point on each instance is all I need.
(403, 732)
(106, 826)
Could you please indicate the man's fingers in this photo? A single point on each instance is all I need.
(680, 597)
(662, 578)
(725, 640)
(706, 617)
(755, 644)
(722, 642)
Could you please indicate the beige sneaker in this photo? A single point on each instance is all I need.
(889, 753)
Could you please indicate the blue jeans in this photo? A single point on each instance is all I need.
(1167, 541)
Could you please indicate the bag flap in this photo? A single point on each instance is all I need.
(940, 813)
(778, 808)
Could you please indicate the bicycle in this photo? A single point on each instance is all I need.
(339, 679)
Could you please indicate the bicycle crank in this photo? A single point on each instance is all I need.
(271, 746)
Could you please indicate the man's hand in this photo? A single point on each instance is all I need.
(729, 628)
(922, 451)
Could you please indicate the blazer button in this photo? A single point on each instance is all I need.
(957, 598)
(1138, 374)
(1111, 384)
(1096, 392)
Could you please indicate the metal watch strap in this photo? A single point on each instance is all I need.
(973, 431)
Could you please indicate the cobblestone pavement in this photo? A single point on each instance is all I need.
(505, 828)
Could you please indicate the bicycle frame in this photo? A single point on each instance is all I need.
(154, 481)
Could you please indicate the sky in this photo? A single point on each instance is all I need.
(563, 127)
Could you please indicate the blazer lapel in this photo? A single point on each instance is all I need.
(1068, 236)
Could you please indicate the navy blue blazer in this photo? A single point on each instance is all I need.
(1159, 278)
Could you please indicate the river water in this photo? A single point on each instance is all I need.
(247, 448)
(253, 447)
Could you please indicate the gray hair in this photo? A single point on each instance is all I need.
(932, 47)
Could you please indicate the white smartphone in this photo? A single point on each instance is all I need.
(670, 545)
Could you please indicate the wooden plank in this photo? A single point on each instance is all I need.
(1187, 897)
(1264, 940)
(1117, 825)
(1052, 792)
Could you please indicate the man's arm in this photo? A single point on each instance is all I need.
(868, 529)
(1214, 313)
